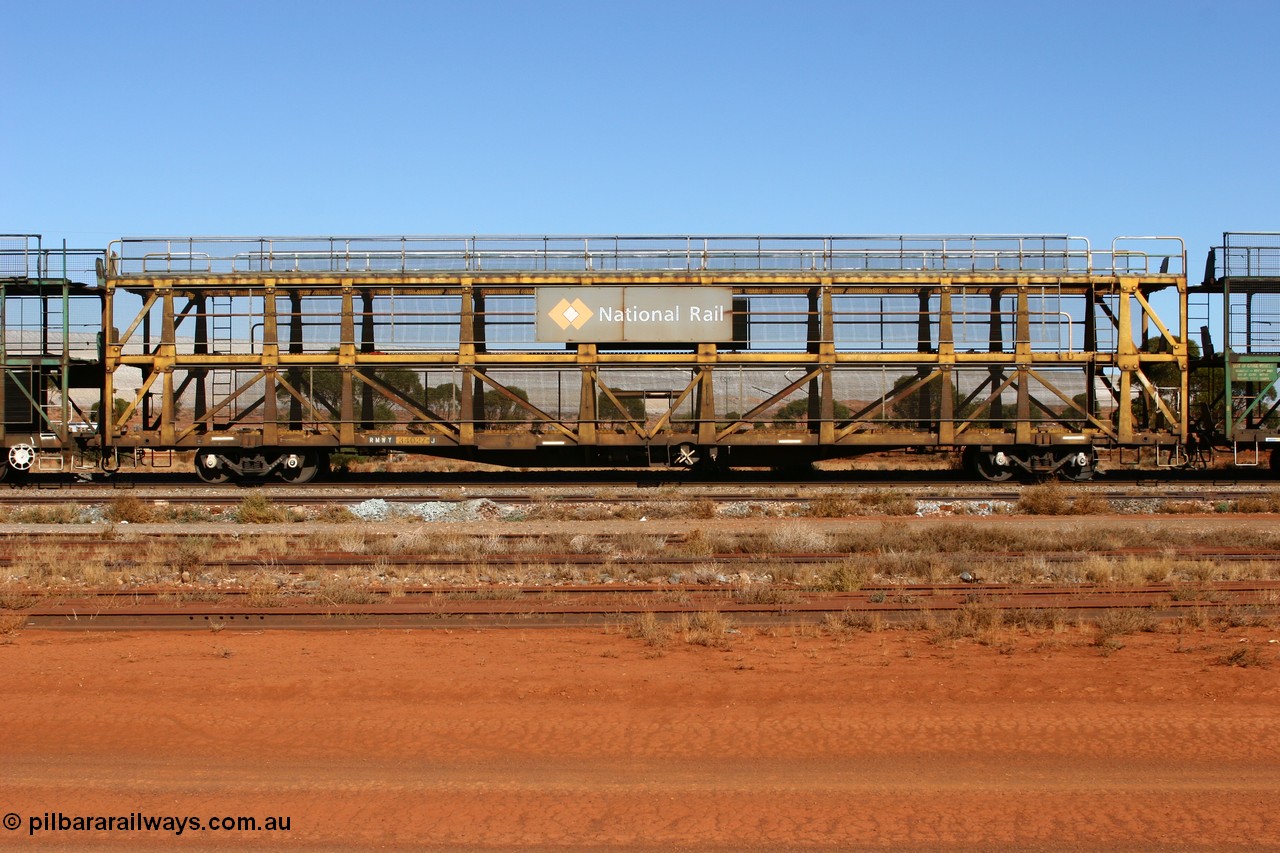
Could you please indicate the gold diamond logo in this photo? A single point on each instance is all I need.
(567, 314)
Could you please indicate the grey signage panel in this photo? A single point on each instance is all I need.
(642, 314)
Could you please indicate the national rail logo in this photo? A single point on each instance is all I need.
(566, 314)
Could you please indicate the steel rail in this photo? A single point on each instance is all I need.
(786, 492)
(677, 592)
(297, 560)
(433, 608)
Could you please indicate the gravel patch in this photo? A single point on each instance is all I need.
(479, 509)
(925, 509)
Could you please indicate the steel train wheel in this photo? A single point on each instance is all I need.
(301, 467)
(210, 469)
(1078, 466)
(22, 457)
(992, 466)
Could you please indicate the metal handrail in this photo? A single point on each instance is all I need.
(1165, 261)
(967, 253)
(169, 257)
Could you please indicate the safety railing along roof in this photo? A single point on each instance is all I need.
(1247, 254)
(898, 253)
(22, 256)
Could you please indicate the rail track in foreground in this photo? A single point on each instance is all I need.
(86, 495)
(541, 606)
(517, 485)
(298, 561)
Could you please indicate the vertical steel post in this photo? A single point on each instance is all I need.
(995, 344)
(706, 395)
(366, 346)
(946, 363)
(466, 363)
(295, 348)
(270, 365)
(826, 354)
(65, 359)
(346, 360)
(168, 352)
(1022, 350)
(201, 347)
(588, 404)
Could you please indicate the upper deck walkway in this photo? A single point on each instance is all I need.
(1247, 258)
(533, 258)
(26, 265)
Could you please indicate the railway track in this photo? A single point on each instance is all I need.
(641, 479)
(81, 495)
(119, 554)
(283, 583)
(539, 606)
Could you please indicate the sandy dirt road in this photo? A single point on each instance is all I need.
(589, 740)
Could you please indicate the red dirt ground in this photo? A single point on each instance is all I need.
(544, 739)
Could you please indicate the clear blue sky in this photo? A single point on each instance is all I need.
(1093, 119)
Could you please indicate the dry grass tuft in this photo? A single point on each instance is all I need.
(1089, 503)
(1045, 499)
(340, 591)
(1120, 622)
(190, 514)
(1053, 498)
(1245, 656)
(335, 514)
(646, 626)
(852, 620)
(257, 508)
(703, 508)
(1035, 619)
(632, 544)
(974, 619)
(263, 593)
(833, 505)
(1184, 507)
(1242, 616)
(848, 575)
(887, 503)
(699, 543)
(705, 628)
(765, 594)
(55, 514)
(192, 553)
(11, 599)
(795, 538)
(586, 543)
(1257, 504)
(879, 502)
(129, 508)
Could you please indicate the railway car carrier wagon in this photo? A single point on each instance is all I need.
(266, 355)
(50, 315)
(1237, 390)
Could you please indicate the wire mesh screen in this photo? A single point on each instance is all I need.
(1255, 322)
(1250, 254)
(21, 257)
(77, 265)
(18, 255)
(161, 255)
